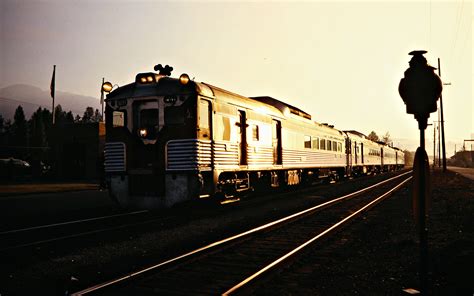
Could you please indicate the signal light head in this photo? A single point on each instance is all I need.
(107, 87)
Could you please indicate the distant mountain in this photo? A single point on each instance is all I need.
(32, 97)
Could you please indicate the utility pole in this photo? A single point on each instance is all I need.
(434, 144)
(439, 140)
(442, 121)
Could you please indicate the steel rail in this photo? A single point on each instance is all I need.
(71, 222)
(79, 234)
(226, 240)
(317, 237)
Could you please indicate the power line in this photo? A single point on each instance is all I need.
(458, 25)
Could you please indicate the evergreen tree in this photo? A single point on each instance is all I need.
(373, 136)
(46, 116)
(2, 130)
(97, 116)
(37, 129)
(88, 115)
(69, 117)
(6, 135)
(2, 120)
(60, 115)
(19, 128)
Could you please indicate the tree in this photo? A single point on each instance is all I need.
(6, 135)
(97, 116)
(46, 116)
(88, 115)
(37, 130)
(59, 114)
(3, 130)
(19, 128)
(386, 138)
(1, 123)
(69, 117)
(373, 136)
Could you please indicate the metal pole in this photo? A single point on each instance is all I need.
(434, 144)
(422, 219)
(102, 98)
(442, 121)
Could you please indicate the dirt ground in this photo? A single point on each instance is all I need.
(379, 253)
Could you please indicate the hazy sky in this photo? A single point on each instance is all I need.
(339, 61)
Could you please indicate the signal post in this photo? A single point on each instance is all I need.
(420, 90)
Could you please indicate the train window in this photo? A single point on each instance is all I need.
(307, 142)
(339, 147)
(222, 127)
(255, 134)
(322, 145)
(334, 146)
(329, 145)
(315, 143)
(118, 118)
(204, 114)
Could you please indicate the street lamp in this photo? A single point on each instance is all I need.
(107, 88)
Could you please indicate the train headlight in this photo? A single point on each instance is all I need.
(142, 132)
(184, 79)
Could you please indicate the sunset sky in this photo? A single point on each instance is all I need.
(339, 61)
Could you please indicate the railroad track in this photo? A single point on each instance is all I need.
(237, 262)
(55, 233)
(39, 235)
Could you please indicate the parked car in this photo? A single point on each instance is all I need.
(12, 168)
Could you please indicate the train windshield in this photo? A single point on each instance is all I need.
(148, 125)
(146, 119)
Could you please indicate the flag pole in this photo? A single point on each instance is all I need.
(102, 98)
(52, 88)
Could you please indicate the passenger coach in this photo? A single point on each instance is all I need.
(169, 140)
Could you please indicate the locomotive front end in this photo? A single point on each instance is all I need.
(141, 118)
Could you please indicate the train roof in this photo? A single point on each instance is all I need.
(356, 133)
(164, 85)
(282, 106)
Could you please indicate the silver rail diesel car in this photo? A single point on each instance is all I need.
(170, 140)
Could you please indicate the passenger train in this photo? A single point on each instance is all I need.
(170, 140)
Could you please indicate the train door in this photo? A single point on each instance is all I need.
(381, 157)
(362, 153)
(205, 120)
(242, 137)
(355, 153)
(348, 156)
(276, 142)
